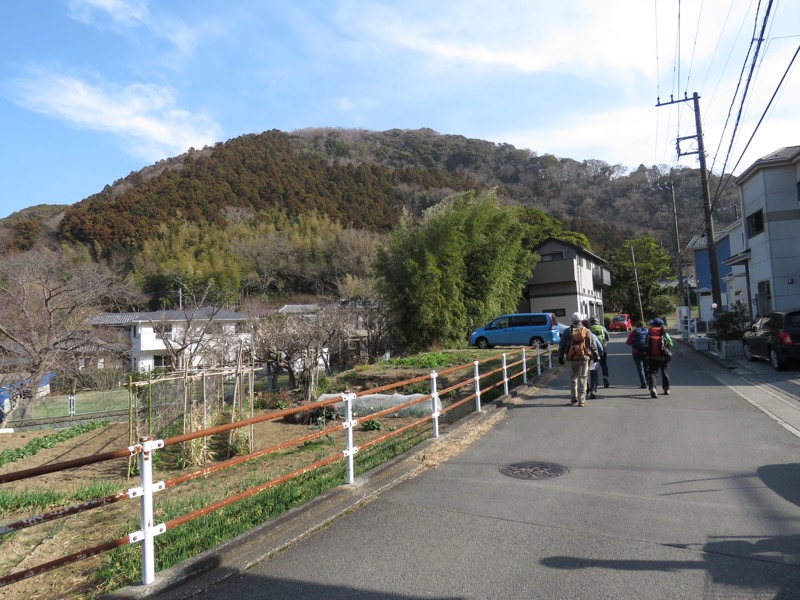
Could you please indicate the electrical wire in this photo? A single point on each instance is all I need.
(759, 42)
(658, 81)
(694, 48)
(721, 187)
(736, 93)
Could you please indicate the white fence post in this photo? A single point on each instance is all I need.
(538, 359)
(525, 366)
(349, 424)
(505, 376)
(549, 357)
(149, 530)
(434, 404)
(477, 387)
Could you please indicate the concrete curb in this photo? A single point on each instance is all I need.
(238, 554)
(720, 360)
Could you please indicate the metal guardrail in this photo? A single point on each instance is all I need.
(146, 448)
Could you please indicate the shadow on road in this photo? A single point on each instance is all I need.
(754, 564)
(244, 586)
(784, 480)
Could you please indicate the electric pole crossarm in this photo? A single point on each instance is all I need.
(701, 153)
(672, 101)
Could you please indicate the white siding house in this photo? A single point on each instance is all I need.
(180, 338)
(769, 192)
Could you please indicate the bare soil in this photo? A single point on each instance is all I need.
(45, 542)
(39, 544)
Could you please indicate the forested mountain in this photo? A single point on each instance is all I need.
(364, 179)
(297, 210)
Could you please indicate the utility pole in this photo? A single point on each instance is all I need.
(636, 279)
(684, 298)
(716, 295)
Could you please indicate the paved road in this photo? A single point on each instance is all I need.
(694, 495)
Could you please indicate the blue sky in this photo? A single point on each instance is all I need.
(91, 90)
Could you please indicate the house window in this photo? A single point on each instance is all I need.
(135, 331)
(159, 361)
(755, 223)
(164, 329)
(559, 312)
(551, 256)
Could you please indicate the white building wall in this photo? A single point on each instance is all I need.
(146, 345)
(775, 253)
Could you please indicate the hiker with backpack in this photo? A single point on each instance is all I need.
(594, 375)
(602, 335)
(578, 346)
(637, 340)
(658, 356)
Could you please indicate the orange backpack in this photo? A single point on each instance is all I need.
(578, 343)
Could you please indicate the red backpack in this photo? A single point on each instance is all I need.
(656, 343)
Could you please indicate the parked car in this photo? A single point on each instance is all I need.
(620, 322)
(522, 329)
(774, 337)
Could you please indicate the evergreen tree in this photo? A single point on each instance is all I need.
(652, 264)
(464, 262)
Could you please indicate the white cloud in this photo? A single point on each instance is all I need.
(598, 136)
(122, 16)
(345, 104)
(124, 12)
(580, 37)
(145, 117)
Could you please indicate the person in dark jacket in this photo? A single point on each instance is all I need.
(639, 351)
(602, 335)
(658, 360)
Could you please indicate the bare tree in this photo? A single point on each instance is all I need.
(193, 332)
(45, 299)
(300, 344)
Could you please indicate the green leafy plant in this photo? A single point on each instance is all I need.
(371, 425)
(731, 325)
(427, 360)
(48, 441)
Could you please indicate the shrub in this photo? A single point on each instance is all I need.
(277, 400)
(89, 379)
(731, 325)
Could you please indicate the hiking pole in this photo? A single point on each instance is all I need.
(636, 279)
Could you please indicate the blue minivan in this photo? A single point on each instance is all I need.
(521, 329)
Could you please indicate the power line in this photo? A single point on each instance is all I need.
(720, 186)
(736, 91)
(759, 42)
(694, 47)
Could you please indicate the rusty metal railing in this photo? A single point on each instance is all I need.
(145, 449)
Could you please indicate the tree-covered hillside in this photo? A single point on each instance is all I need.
(365, 179)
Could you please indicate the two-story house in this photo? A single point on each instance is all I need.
(759, 254)
(728, 242)
(769, 192)
(567, 279)
(180, 338)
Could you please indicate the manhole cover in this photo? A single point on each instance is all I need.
(534, 470)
